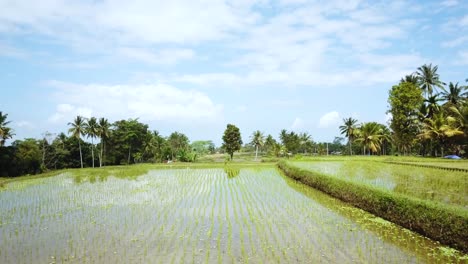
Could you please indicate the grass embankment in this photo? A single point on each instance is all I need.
(436, 221)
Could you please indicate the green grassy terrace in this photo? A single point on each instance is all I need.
(434, 218)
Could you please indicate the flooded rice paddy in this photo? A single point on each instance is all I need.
(447, 187)
(235, 215)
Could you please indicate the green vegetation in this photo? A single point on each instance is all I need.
(446, 224)
(176, 213)
(232, 140)
(228, 212)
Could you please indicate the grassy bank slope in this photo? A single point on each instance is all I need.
(438, 222)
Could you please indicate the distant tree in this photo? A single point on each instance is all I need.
(440, 128)
(385, 138)
(257, 141)
(290, 140)
(179, 144)
(269, 143)
(203, 147)
(455, 94)
(305, 142)
(428, 79)
(370, 137)
(405, 100)
(92, 131)
(103, 132)
(232, 140)
(77, 130)
(412, 78)
(28, 157)
(432, 105)
(5, 132)
(349, 130)
(126, 139)
(159, 143)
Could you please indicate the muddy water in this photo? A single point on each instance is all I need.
(241, 215)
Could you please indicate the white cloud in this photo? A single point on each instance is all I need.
(455, 42)
(463, 57)
(164, 56)
(66, 112)
(464, 21)
(329, 119)
(25, 124)
(122, 21)
(298, 124)
(156, 102)
(449, 3)
(9, 51)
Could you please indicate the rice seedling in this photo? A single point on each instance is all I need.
(198, 215)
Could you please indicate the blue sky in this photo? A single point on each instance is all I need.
(194, 66)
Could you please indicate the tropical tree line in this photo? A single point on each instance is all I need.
(428, 118)
(290, 143)
(93, 142)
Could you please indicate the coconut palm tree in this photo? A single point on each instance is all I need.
(370, 137)
(440, 127)
(103, 133)
(432, 105)
(92, 130)
(5, 132)
(305, 141)
(349, 130)
(385, 138)
(412, 78)
(77, 130)
(257, 140)
(428, 79)
(269, 143)
(461, 116)
(455, 94)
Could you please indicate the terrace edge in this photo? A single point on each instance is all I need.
(443, 224)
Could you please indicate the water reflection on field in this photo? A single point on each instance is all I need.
(196, 216)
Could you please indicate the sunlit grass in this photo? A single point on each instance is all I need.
(442, 186)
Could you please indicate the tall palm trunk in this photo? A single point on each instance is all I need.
(350, 149)
(102, 152)
(81, 156)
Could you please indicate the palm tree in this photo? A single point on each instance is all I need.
(103, 134)
(5, 132)
(455, 95)
(92, 130)
(269, 143)
(428, 79)
(257, 141)
(412, 78)
(159, 142)
(305, 140)
(432, 105)
(349, 129)
(461, 116)
(440, 127)
(77, 130)
(385, 138)
(370, 137)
